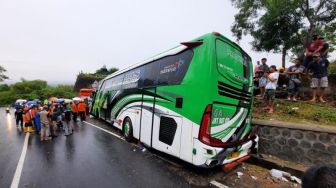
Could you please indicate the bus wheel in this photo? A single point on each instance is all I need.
(127, 129)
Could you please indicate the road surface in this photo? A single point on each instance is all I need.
(96, 156)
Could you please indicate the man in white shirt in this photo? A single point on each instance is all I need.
(272, 80)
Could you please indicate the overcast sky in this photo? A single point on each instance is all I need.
(54, 40)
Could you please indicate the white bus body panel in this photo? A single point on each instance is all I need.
(185, 139)
(146, 127)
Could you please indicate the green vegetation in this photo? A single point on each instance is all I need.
(84, 80)
(35, 89)
(298, 112)
(332, 67)
(284, 25)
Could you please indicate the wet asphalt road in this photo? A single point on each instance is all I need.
(88, 158)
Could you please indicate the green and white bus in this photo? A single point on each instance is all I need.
(193, 102)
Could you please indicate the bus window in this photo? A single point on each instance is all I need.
(115, 83)
(173, 68)
(131, 79)
(149, 76)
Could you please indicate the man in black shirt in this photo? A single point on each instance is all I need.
(319, 70)
(19, 117)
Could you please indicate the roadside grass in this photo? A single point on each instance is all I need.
(302, 112)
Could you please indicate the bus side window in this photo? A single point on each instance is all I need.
(173, 68)
(149, 75)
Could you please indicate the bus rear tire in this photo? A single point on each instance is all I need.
(127, 129)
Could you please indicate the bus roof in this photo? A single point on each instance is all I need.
(173, 51)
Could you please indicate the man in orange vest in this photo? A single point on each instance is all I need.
(33, 112)
(74, 111)
(27, 121)
(82, 110)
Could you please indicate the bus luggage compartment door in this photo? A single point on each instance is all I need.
(167, 133)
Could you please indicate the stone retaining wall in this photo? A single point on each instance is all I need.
(307, 144)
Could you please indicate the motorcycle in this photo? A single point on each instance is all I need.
(7, 110)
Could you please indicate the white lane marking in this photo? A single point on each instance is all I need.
(114, 134)
(217, 184)
(18, 171)
(122, 138)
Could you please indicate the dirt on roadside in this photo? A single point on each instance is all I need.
(254, 177)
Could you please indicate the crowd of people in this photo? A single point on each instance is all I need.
(313, 65)
(49, 118)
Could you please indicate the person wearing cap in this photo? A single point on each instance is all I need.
(272, 80)
(319, 71)
(295, 78)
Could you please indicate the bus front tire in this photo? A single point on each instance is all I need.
(127, 129)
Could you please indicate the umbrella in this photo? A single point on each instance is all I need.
(76, 99)
(59, 100)
(30, 103)
(21, 101)
(37, 101)
(53, 98)
(67, 100)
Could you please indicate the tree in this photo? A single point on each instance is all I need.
(102, 71)
(2, 75)
(319, 14)
(283, 25)
(112, 70)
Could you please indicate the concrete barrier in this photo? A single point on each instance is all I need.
(307, 144)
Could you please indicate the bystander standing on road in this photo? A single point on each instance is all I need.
(74, 108)
(67, 118)
(319, 70)
(54, 116)
(295, 78)
(44, 124)
(33, 112)
(37, 120)
(27, 121)
(19, 117)
(272, 80)
(82, 110)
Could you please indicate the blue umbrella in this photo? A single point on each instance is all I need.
(31, 103)
(37, 101)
